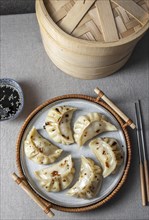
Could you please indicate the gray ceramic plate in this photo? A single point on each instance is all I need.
(61, 198)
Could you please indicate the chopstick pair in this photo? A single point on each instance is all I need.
(144, 176)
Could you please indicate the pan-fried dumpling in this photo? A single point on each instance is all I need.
(40, 150)
(109, 154)
(90, 125)
(58, 124)
(89, 182)
(58, 176)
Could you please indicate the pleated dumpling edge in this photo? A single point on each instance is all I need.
(58, 124)
(89, 182)
(58, 176)
(39, 149)
(89, 125)
(109, 153)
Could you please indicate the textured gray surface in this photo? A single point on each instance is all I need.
(16, 6)
(24, 59)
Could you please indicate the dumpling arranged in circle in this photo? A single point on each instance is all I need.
(58, 176)
(58, 124)
(89, 125)
(89, 182)
(40, 150)
(109, 154)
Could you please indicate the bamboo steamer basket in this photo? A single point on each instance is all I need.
(91, 39)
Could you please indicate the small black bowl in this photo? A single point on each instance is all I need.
(7, 83)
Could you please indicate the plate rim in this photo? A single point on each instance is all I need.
(128, 148)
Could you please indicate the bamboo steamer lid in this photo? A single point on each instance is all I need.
(91, 39)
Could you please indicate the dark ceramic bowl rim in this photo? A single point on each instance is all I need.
(16, 85)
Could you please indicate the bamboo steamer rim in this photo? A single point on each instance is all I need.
(104, 71)
(128, 144)
(82, 42)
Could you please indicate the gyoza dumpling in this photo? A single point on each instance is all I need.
(58, 176)
(58, 124)
(40, 150)
(109, 154)
(89, 182)
(90, 125)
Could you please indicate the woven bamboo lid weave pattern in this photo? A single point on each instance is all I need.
(99, 20)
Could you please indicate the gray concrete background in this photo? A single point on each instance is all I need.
(23, 58)
(16, 6)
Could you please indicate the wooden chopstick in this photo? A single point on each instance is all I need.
(144, 149)
(141, 161)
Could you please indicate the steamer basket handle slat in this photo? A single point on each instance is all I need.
(33, 196)
(101, 95)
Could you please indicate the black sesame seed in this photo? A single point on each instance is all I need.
(9, 101)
